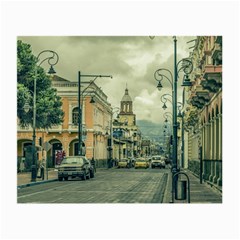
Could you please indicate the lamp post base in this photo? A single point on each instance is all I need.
(34, 173)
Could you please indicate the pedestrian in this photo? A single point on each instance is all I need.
(42, 171)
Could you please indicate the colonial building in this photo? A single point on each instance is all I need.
(203, 114)
(96, 115)
(127, 136)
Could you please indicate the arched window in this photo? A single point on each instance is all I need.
(75, 116)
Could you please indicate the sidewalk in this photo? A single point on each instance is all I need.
(199, 193)
(24, 179)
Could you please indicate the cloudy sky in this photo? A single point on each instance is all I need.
(130, 60)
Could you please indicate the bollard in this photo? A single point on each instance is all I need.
(180, 187)
(181, 190)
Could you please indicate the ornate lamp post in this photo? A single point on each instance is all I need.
(80, 108)
(164, 73)
(52, 60)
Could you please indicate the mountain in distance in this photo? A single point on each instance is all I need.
(150, 130)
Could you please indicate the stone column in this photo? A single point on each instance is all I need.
(216, 150)
(212, 150)
(203, 147)
(206, 168)
(219, 181)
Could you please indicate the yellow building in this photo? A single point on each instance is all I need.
(96, 119)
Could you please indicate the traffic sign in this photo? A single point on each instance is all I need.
(47, 146)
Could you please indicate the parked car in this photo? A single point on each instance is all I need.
(123, 163)
(75, 166)
(158, 161)
(141, 163)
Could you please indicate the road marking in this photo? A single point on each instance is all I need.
(99, 191)
(43, 191)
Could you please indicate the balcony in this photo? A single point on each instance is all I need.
(55, 128)
(198, 102)
(217, 53)
(24, 129)
(202, 94)
(212, 78)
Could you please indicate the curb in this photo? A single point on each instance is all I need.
(168, 190)
(212, 185)
(35, 183)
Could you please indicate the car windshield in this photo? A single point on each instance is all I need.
(141, 160)
(123, 160)
(156, 158)
(72, 161)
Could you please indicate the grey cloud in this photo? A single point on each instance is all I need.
(130, 59)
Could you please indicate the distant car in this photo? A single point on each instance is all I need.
(123, 163)
(158, 161)
(75, 166)
(141, 163)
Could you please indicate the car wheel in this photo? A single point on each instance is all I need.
(60, 179)
(84, 176)
(92, 174)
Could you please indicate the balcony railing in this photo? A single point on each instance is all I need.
(24, 129)
(212, 78)
(56, 128)
(73, 127)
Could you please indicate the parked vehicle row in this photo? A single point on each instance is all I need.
(75, 166)
(156, 161)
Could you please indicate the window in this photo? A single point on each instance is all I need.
(75, 116)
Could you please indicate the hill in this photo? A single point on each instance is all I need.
(150, 130)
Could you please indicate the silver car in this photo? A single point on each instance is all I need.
(75, 166)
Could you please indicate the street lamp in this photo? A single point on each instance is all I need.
(52, 60)
(164, 99)
(79, 105)
(110, 143)
(164, 73)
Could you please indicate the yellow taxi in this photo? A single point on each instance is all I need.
(123, 163)
(141, 163)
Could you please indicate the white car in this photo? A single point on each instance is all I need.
(158, 161)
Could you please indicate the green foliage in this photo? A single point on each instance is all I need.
(48, 103)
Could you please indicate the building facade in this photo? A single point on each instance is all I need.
(203, 112)
(95, 119)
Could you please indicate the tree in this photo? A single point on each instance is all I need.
(48, 103)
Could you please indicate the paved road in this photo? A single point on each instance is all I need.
(108, 186)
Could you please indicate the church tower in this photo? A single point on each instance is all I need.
(126, 115)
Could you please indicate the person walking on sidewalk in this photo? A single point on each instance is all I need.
(41, 170)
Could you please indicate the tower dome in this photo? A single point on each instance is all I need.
(126, 97)
(126, 103)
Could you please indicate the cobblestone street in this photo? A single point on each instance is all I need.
(109, 186)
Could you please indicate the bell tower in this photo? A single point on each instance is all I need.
(126, 115)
